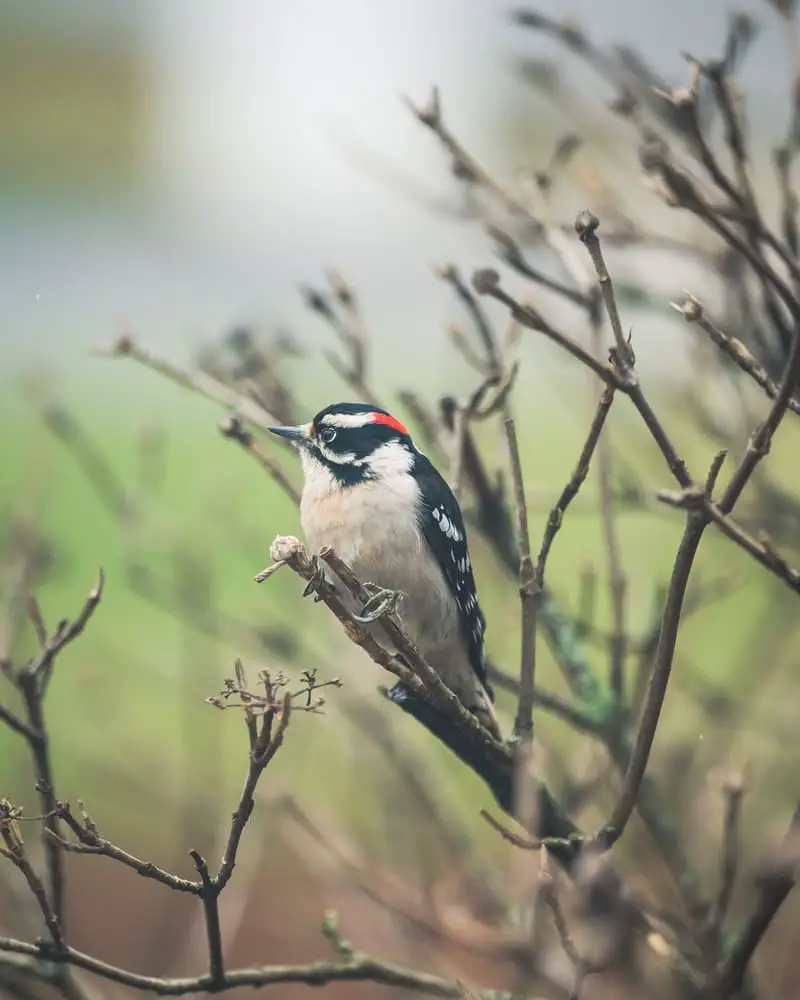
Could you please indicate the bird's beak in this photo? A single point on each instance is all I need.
(297, 435)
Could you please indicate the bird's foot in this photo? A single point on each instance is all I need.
(380, 602)
(315, 580)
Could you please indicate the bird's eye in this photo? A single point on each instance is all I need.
(327, 434)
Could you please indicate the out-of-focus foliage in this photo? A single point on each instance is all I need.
(181, 520)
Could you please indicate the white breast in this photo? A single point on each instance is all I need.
(373, 527)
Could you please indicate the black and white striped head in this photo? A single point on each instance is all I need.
(352, 442)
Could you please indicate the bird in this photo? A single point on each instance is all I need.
(371, 495)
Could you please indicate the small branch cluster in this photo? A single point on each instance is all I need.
(267, 712)
(235, 693)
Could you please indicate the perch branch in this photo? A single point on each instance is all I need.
(417, 675)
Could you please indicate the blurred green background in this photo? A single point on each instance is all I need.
(181, 174)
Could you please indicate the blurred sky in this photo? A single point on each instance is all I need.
(185, 164)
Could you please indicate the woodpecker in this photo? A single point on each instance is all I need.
(371, 495)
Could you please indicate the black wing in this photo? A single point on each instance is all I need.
(442, 524)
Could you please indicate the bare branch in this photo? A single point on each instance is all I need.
(16, 724)
(89, 841)
(696, 523)
(487, 282)
(361, 968)
(580, 965)
(523, 842)
(209, 893)
(195, 380)
(692, 312)
(733, 791)
(418, 675)
(32, 681)
(774, 889)
(760, 549)
(350, 331)
(65, 633)
(568, 494)
(529, 589)
(561, 708)
(267, 743)
(759, 444)
(232, 428)
(586, 227)
(511, 253)
(480, 320)
(431, 685)
(464, 165)
(14, 849)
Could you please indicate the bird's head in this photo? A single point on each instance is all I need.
(352, 442)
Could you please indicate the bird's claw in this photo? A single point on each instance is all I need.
(314, 581)
(381, 602)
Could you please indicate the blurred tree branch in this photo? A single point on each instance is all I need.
(758, 342)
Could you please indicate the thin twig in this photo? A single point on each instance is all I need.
(209, 893)
(232, 428)
(32, 680)
(266, 746)
(616, 578)
(617, 581)
(89, 841)
(568, 494)
(360, 968)
(772, 893)
(351, 332)
(759, 444)
(13, 847)
(511, 253)
(729, 866)
(586, 226)
(561, 708)
(487, 282)
(696, 523)
(692, 312)
(450, 274)
(580, 965)
(465, 165)
(523, 842)
(760, 549)
(528, 592)
(193, 379)
(16, 724)
(67, 631)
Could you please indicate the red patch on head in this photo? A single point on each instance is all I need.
(387, 421)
